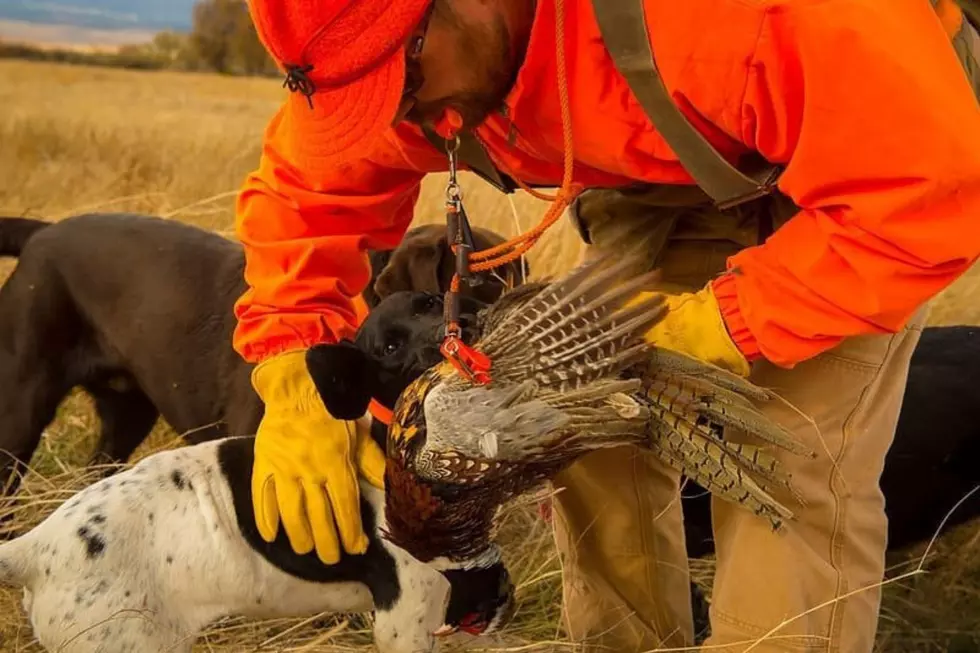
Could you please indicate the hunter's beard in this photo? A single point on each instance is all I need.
(489, 55)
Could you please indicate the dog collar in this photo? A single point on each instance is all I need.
(380, 412)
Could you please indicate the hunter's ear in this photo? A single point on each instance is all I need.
(344, 377)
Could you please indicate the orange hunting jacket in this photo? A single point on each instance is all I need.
(863, 101)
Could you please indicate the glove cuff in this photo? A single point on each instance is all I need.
(283, 383)
(726, 295)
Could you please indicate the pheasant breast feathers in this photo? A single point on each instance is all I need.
(570, 373)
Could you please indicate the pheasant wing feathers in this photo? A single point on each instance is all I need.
(571, 372)
(557, 353)
(576, 330)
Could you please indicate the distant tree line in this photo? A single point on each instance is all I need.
(222, 40)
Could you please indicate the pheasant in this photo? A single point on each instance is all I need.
(570, 374)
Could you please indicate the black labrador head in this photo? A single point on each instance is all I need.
(398, 341)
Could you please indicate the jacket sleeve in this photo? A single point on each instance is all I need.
(306, 232)
(869, 108)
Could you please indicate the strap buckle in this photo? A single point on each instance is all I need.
(474, 365)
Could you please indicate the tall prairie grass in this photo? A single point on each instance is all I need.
(76, 139)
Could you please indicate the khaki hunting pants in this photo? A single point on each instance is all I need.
(618, 517)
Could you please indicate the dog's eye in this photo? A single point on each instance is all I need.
(393, 340)
(428, 304)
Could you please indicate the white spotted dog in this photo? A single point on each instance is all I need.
(144, 560)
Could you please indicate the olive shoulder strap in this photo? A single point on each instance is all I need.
(624, 32)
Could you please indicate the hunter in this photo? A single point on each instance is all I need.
(806, 174)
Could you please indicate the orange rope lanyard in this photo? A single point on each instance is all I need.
(470, 362)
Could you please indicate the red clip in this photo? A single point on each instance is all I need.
(472, 364)
(449, 124)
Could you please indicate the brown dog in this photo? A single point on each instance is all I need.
(138, 311)
(425, 263)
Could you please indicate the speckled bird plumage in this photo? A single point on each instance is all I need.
(570, 373)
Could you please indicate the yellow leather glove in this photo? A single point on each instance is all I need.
(304, 471)
(694, 326)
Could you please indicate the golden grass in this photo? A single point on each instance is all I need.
(76, 139)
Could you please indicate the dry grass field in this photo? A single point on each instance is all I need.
(76, 139)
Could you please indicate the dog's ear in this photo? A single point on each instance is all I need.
(344, 377)
(378, 259)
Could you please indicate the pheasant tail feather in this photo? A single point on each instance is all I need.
(719, 466)
(724, 408)
(665, 361)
